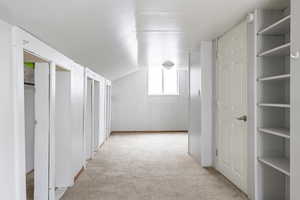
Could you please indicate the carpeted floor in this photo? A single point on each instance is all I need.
(149, 167)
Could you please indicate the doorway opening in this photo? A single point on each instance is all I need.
(32, 105)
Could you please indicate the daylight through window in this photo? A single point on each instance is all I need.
(162, 81)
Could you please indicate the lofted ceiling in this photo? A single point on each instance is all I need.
(117, 37)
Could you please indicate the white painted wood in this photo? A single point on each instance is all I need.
(281, 132)
(295, 101)
(206, 60)
(251, 102)
(232, 103)
(88, 120)
(278, 77)
(96, 115)
(279, 27)
(102, 113)
(274, 105)
(52, 122)
(195, 106)
(280, 164)
(77, 115)
(281, 50)
(11, 133)
(29, 95)
(63, 134)
(42, 130)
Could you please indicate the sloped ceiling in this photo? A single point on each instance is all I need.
(117, 37)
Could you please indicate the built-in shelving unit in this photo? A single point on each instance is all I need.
(273, 104)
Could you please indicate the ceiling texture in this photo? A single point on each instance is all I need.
(118, 37)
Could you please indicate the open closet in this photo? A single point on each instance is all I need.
(36, 107)
(273, 74)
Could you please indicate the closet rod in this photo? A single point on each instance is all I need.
(25, 83)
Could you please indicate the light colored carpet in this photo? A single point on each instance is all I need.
(149, 167)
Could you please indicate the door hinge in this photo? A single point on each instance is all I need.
(217, 152)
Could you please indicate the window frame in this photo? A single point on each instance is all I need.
(163, 84)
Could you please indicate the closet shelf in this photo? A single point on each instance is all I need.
(283, 50)
(274, 105)
(280, 27)
(281, 132)
(277, 77)
(279, 163)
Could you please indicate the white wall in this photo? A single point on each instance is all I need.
(201, 105)
(7, 167)
(134, 110)
(29, 126)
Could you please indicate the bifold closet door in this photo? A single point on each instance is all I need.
(295, 100)
(41, 157)
(89, 121)
(96, 115)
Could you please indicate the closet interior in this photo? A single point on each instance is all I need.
(273, 104)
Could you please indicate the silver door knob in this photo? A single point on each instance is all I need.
(242, 118)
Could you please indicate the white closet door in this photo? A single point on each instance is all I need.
(295, 100)
(232, 103)
(96, 115)
(41, 162)
(89, 123)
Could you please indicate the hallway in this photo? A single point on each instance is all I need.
(149, 166)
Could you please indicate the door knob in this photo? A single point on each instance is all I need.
(295, 55)
(242, 118)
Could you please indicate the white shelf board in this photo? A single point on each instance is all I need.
(278, 77)
(278, 163)
(274, 105)
(282, 50)
(281, 26)
(281, 132)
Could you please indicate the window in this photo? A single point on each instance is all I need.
(162, 81)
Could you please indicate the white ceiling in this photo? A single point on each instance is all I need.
(116, 37)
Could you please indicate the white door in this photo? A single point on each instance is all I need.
(232, 104)
(42, 128)
(89, 123)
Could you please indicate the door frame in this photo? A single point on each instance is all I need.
(23, 41)
(251, 104)
(89, 74)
